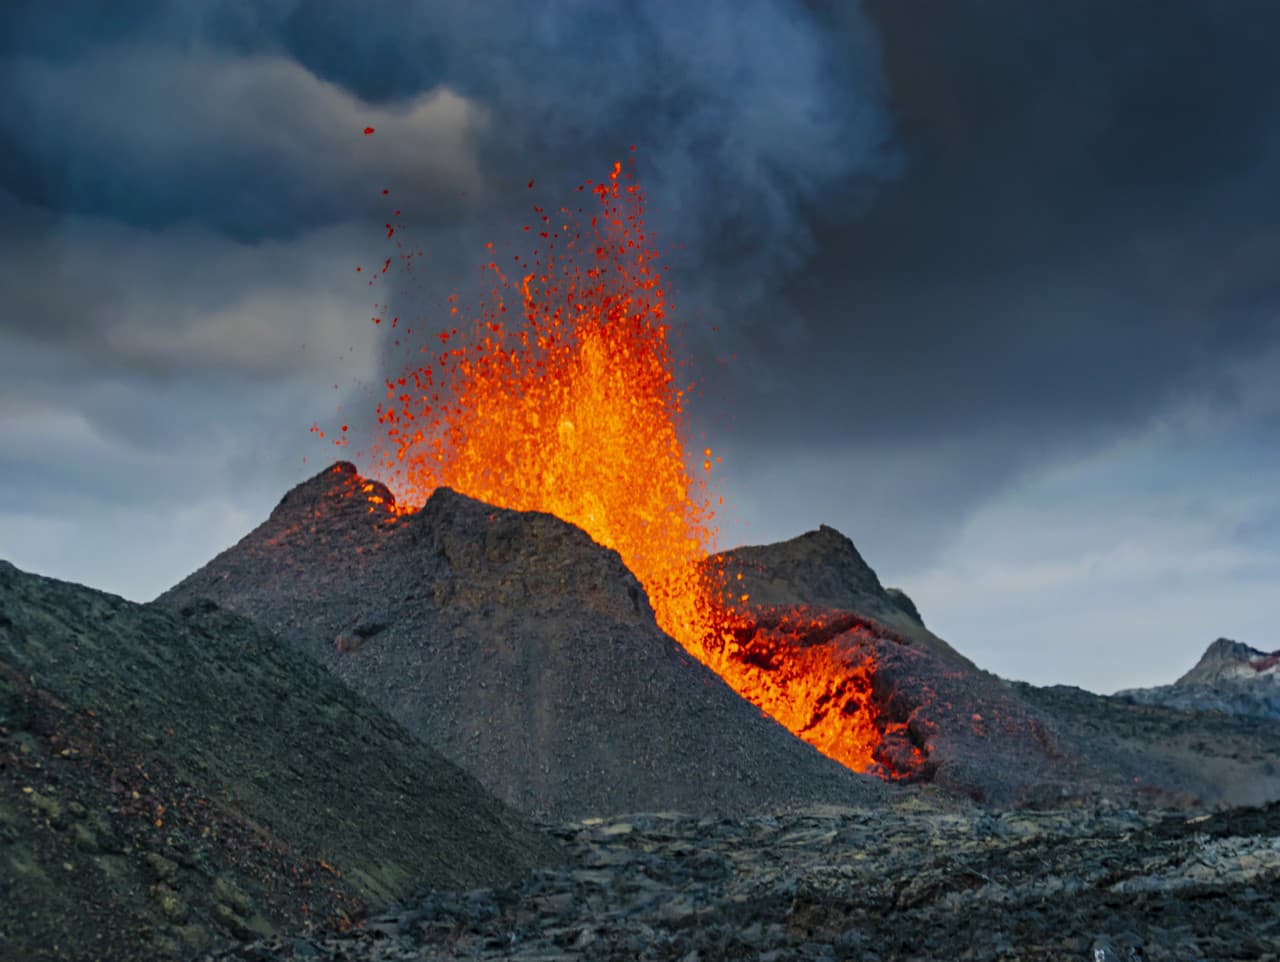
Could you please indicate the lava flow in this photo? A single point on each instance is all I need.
(570, 405)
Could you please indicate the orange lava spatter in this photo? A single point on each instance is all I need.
(563, 397)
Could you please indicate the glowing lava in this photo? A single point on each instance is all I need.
(572, 408)
(568, 403)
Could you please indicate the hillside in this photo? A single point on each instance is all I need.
(170, 778)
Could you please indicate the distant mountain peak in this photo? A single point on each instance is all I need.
(1232, 662)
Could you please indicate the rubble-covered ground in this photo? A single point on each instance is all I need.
(915, 881)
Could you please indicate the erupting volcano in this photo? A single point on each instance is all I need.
(572, 406)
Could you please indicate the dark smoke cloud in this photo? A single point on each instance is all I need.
(204, 111)
(183, 188)
(1084, 231)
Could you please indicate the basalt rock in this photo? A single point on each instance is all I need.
(982, 738)
(1003, 743)
(519, 647)
(903, 883)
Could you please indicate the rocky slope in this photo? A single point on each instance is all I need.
(1230, 678)
(823, 569)
(519, 647)
(900, 883)
(171, 778)
(1004, 743)
(1170, 757)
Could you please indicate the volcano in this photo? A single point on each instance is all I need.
(515, 645)
(529, 655)
(539, 598)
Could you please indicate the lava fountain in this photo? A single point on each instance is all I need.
(563, 397)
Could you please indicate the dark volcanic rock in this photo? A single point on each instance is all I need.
(949, 723)
(1230, 678)
(966, 731)
(828, 672)
(1169, 755)
(823, 569)
(170, 778)
(839, 883)
(1011, 744)
(519, 647)
(903, 601)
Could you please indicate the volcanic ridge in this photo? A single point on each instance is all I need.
(528, 654)
(517, 646)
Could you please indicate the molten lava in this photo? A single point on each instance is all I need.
(570, 405)
(571, 409)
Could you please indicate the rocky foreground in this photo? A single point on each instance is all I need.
(906, 882)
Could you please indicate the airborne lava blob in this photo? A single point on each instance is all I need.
(562, 397)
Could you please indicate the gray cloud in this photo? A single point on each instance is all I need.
(243, 121)
(250, 145)
(182, 302)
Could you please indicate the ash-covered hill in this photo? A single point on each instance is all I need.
(1006, 743)
(174, 777)
(518, 646)
(1230, 678)
(823, 569)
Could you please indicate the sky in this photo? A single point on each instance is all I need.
(990, 286)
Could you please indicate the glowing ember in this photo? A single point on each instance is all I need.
(570, 405)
